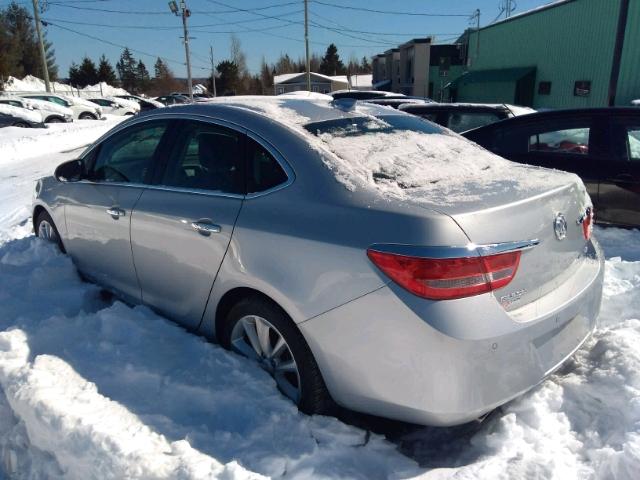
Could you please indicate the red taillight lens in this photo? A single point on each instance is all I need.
(448, 278)
(587, 223)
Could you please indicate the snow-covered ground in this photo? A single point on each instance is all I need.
(94, 388)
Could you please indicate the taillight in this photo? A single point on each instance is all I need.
(587, 223)
(448, 278)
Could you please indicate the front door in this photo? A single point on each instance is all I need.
(98, 209)
(182, 225)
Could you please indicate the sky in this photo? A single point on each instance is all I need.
(150, 30)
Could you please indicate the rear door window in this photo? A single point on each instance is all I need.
(633, 143)
(572, 140)
(206, 157)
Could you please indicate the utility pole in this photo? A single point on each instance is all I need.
(306, 44)
(213, 71)
(477, 18)
(185, 13)
(36, 16)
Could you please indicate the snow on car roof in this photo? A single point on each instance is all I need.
(440, 168)
(19, 112)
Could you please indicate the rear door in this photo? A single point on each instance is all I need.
(98, 209)
(620, 184)
(574, 144)
(182, 225)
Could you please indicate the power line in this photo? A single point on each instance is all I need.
(109, 42)
(389, 12)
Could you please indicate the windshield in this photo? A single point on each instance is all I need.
(355, 126)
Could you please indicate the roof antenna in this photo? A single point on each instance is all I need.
(345, 104)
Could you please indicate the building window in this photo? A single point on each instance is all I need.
(544, 88)
(280, 90)
(315, 88)
(582, 88)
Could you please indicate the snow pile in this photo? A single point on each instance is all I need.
(35, 84)
(22, 113)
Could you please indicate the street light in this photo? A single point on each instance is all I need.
(184, 12)
(173, 6)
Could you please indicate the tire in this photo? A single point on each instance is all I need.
(41, 229)
(87, 116)
(312, 396)
(21, 125)
(54, 120)
(129, 114)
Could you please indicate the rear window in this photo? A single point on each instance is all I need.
(355, 126)
(461, 122)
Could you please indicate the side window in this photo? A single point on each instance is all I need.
(461, 122)
(127, 156)
(633, 143)
(206, 157)
(432, 117)
(572, 140)
(264, 172)
(57, 100)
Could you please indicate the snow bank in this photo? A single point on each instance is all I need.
(35, 84)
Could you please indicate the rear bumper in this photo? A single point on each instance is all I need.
(392, 354)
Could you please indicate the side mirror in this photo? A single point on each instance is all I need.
(70, 171)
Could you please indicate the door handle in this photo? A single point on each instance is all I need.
(205, 228)
(116, 212)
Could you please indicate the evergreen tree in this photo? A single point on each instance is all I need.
(229, 78)
(331, 63)
(105, 71)
(74, 74)
(163, 82)
(127, 70)
(266, 78)
(160, 69)
(87, 73)
(143, 80)
(365, 66)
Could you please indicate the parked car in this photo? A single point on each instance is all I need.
(173, 99)
(601, 145)
(145, 103)
(116, 106)
(48, 112)
(460, 117)
(363, 94)
(16, 116)
(81, 109)
(357, 254)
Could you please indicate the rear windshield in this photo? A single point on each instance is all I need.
(355, 126)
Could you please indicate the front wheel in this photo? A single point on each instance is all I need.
(46, 229)
(54, 120)
(259, 330)
(21, 124)
(87, 116)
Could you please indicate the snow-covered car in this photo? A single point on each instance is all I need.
(461, 117)
(363, 94)
(173, 99)
(145, 103)
(116, 106)
(48, 112)
(635, 103)
(81, 109)
(358, 254)
(12, 115)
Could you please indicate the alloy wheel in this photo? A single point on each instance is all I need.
(47, 232)
(256, 338)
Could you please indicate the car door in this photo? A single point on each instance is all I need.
(620, 175)
(182, 225)
(98, 208)
(574, 144)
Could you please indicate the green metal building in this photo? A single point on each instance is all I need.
(571, 53)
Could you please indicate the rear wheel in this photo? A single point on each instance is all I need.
(46, 229)
(21, 124)
(87, 116)
(54, 120)
(259, 330)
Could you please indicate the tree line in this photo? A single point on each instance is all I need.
(19, 49)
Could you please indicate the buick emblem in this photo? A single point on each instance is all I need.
(560, 226)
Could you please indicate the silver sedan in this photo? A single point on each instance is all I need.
(361, 255)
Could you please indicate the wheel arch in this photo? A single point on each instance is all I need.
(235, 295)
(54, 117)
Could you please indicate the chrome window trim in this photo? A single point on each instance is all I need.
(444, 252)
(213, 120)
